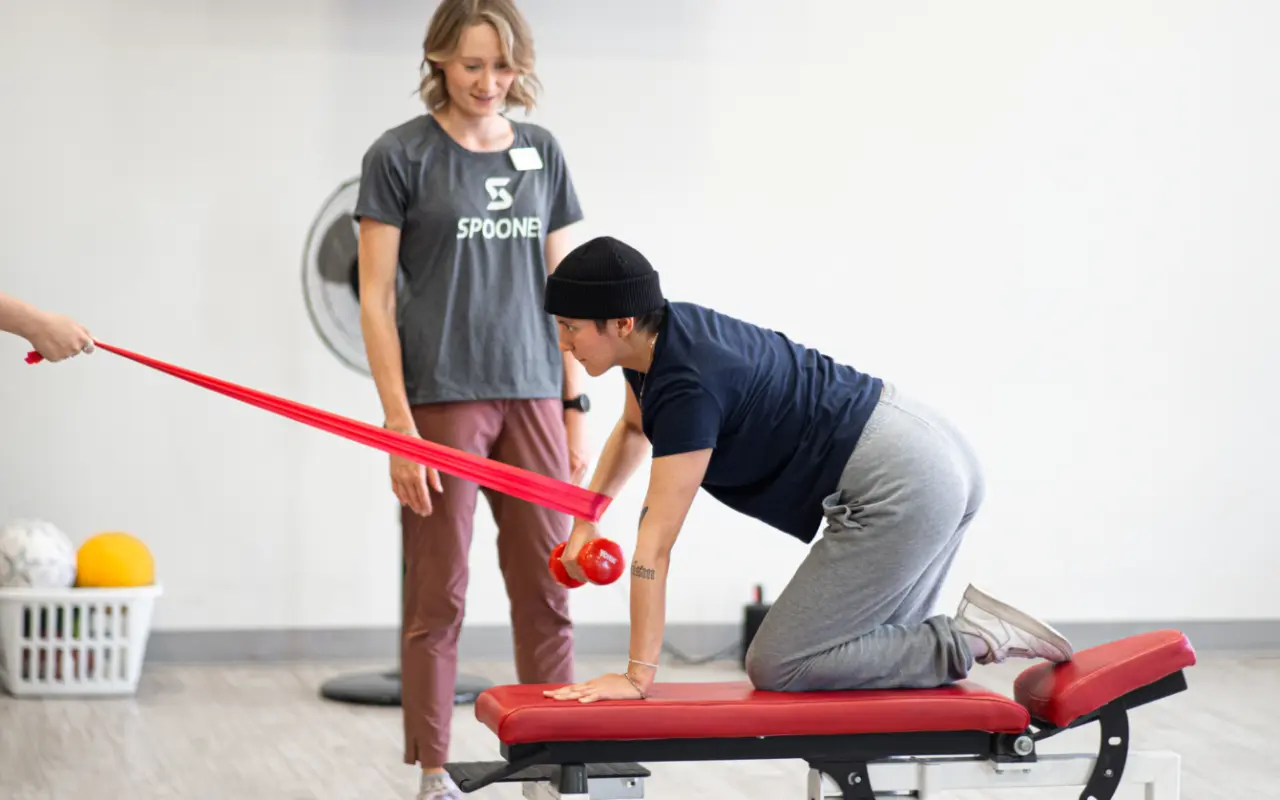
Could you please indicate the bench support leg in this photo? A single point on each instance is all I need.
(928, 778)
(852, 779)
(1166, 778)
(541, 781)
(574, 783)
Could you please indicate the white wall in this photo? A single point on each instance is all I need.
(1054, 223)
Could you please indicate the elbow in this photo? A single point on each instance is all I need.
(632, 428)
(377, 302)
(655, 554)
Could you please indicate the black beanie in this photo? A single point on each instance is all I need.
(603, 279)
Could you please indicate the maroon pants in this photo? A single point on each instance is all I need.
(524, 433)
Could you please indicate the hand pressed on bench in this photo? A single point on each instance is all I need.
(606, 687)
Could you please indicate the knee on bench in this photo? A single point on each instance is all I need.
(769, 670)
(775, 669)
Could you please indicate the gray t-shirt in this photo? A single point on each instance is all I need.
(472, 258)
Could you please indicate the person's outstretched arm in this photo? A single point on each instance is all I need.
(685, 432)
(54, 336)
(622, 455)
(673, 483)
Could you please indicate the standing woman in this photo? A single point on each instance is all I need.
(473, 210)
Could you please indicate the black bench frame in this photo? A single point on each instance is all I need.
(843, 758)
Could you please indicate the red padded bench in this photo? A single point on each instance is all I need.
(856, 743)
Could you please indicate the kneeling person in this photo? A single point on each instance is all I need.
(790, 437)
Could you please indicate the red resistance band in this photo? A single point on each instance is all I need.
(545, 491)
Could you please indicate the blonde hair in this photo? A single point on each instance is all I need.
(448, 22)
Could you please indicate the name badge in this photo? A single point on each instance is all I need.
(525, 158)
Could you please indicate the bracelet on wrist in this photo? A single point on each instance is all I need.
(634, 685)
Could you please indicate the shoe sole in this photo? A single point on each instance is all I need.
(1021, 619)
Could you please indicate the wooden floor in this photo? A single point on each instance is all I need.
(261, 731)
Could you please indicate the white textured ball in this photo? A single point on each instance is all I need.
(37, 554)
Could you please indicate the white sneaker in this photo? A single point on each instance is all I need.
(438, 786)
(1008, 631)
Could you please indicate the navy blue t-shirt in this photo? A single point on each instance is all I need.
(782, 418)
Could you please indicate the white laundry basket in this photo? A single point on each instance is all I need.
(75, 641)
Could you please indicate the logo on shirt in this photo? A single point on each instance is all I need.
(499, 197)
(499, 227)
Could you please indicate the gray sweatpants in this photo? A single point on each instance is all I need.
(858, 614)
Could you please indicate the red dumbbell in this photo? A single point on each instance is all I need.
(600, 560)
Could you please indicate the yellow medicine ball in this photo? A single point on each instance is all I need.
(114, 559)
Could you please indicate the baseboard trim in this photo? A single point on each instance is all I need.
(696, 642)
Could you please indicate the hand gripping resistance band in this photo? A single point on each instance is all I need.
(545, 491)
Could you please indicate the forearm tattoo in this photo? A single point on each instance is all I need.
(639, 570)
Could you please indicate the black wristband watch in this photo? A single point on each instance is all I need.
(579, 403)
